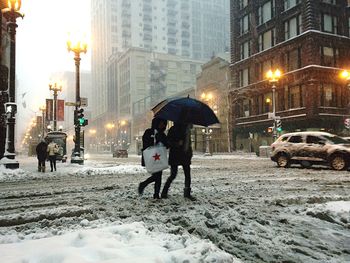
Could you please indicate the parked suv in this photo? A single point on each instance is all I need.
(308, 148)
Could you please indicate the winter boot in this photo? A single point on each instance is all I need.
(187, 194)
(141, 188)
(156, 196)
(39, 168)
(164, 193)
(43, 169)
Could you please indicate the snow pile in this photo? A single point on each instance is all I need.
(117, 243)
(8, 174)
(70, 169)
(120, 169)
(334, 212)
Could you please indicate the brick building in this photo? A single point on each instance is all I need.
(309, 42)
(212, 89)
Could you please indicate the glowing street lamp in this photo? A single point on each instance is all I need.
(77, 46)
(273, 77)
(43, 109)
(345, 75)
(208, 98)
(55, 87)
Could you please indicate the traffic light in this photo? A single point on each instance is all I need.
(269, 129)
(80, 120)
(278, 125)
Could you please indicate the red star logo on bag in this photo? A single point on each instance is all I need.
(156, 157)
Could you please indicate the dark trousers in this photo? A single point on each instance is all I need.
(52, 159)
(157, 179)
(41, 163)
(173, 173)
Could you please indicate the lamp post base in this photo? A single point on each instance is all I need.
(9, 163)
(77, 159)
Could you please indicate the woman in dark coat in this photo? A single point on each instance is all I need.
(41, 153)
(155, 132)
(180, 153)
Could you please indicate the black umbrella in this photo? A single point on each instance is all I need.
(185, 110)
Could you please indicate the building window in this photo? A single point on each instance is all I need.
(244, 77)
(329, 56)
(330, 24)
(245, 50)
(246, 108)
(243, 3)
(329, 1)
(328, 96)
(262, 68)
(290, 3)
(267, 102)
(266, 12)
(295, 97)
(292, 27)
(293, 59)
(267, 40)
(245, 24)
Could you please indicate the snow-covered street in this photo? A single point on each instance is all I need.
(248, 210)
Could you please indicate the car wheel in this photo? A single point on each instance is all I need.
(283, 160)
(338, 162)
(306, 164)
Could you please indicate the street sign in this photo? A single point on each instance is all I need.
(347, 123)
(270, 115)
(70, 103)
(83, 102)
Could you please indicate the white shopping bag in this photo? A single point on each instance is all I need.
(156, 158)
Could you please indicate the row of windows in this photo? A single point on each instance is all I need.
(268, 7)
(329, 57)
(286, 98)
(330, 95)
(293, 26)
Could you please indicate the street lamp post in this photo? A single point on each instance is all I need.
(11, 13)
(207, 132)
(43, 109)
(55, 88)
(77, 47)
(110, 127)
(273, 77)
(207, 97)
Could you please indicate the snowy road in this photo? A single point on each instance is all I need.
(246, 205)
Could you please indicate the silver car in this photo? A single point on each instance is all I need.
(308, 148)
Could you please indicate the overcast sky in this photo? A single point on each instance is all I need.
(41, 48)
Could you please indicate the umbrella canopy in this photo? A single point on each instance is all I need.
(185, 110)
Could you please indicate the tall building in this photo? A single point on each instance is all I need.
(309, 42)
(195, 29)
(144, 78)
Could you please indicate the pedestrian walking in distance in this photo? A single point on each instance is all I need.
(180, 153)
(41, 154)
(151, 137)
(52, 150)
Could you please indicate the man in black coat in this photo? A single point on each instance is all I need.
(41, 153)
(180, 153)
(151, 137)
